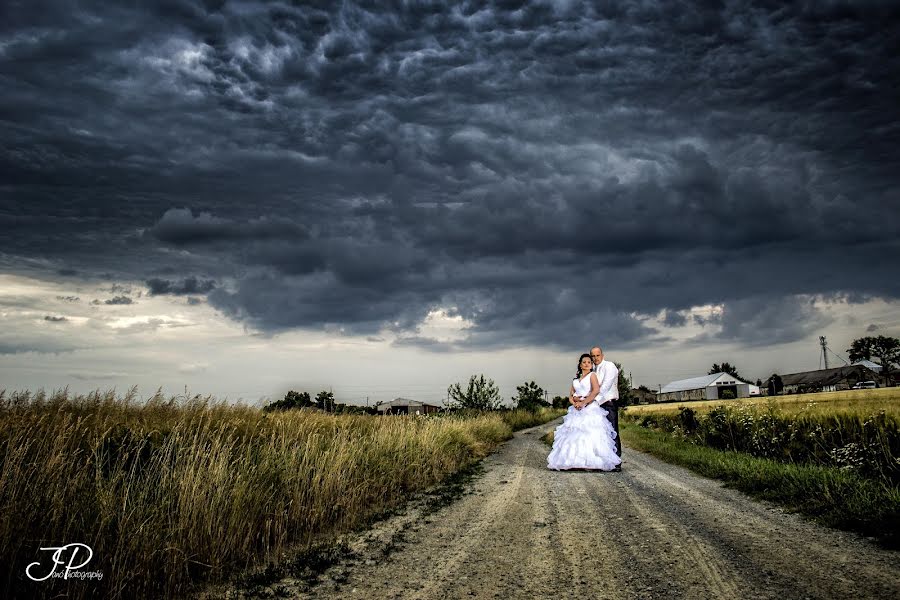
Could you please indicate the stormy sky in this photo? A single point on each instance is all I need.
(385, 197)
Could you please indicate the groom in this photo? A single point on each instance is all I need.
(608, 376)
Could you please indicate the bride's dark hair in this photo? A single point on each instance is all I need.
(581, 358)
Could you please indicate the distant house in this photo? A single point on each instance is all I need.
(643, 396)
(405, 406)
(828, 380)
(707, 387)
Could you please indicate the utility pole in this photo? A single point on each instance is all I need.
(824, 345)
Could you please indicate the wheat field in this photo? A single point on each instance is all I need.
(850, 401)
(172, 492)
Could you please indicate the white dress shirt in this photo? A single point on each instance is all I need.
(608, 375)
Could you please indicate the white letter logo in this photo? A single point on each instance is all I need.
(64, 555)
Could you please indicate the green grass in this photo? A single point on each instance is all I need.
(867, 444)
(835, 497)
(173, 493)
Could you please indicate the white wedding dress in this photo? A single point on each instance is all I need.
(586, 439)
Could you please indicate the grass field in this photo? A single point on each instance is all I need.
(852, 401)
(835, 497)
(172, 492)
(834, 456)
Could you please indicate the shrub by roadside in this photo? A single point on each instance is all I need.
(868, 445)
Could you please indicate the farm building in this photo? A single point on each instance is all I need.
(405, 406)
(829, 380)
(643, 396)
(872, 366)
(707, 387)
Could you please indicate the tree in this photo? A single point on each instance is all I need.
(886, 350)
(624, 385)
(530, 396)
(325, 400)
(725, 368)
(291, 400)
(774, 384)
(481, 394)
(560, 402)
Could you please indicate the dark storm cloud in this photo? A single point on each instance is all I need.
(181, 227)
(117, 300)
(189, 285)
(537, 168)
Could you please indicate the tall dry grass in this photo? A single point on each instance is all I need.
(171, 492)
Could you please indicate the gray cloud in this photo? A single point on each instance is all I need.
(21, 343)
(541, 170)
(765, 321)
(55, 319)
(675, 318)
(189, 285)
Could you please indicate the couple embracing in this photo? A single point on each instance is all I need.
(589, 435)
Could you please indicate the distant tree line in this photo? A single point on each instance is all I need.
(324, 401)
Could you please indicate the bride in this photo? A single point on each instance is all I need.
(586, 439)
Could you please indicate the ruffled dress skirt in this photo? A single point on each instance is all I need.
(585, 440)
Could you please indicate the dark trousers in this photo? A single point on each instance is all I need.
(612, 414)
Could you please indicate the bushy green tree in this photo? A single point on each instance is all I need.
(774, 384)
(725, 368)
(325, 401)
(560, 402)
(291, 400)
(529, 396)
(481, 394)
(624, 386)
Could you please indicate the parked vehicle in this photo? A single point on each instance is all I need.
(865, 385)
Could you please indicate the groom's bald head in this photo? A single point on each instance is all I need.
(597, 355)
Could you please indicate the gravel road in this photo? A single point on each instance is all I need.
(652, 531)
